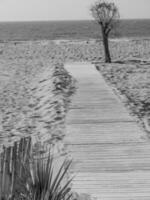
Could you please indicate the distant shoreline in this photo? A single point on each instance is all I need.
(88, 40)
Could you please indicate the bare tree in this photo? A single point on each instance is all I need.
(107, 16)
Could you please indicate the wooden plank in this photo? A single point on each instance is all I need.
(114, 184)
(110, 157)
(97, 115)
(104, 133)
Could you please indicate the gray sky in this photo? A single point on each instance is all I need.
(18, 10)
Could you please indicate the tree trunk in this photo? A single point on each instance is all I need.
(106, 47)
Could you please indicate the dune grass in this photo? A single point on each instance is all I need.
(25, 177)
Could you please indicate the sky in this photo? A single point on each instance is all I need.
(37, 10)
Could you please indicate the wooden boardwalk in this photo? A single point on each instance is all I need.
(111, 153)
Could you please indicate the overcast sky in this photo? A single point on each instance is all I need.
(18, 10)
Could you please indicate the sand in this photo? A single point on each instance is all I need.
(35, 89)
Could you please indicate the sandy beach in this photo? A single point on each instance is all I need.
(35, 88)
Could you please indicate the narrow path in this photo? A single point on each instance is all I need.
(111, 153)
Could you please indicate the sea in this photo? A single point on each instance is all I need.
(56, 30)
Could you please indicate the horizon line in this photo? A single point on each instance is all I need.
(65, 20)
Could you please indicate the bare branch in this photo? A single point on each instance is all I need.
(106, 14)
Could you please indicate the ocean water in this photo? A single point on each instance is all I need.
(69, 30)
